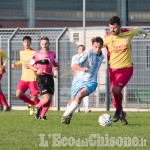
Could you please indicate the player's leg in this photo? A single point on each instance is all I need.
(86, 101)
(2, 98)
(46, 107)
(45, 85)
(21, 89)
(122, 78)
(34, 92)
(74, 105)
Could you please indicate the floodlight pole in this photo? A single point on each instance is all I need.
(84, 23)
(31, 14)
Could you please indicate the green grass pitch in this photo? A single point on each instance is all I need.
(19, 131)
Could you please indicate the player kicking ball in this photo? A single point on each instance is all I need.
(85, 81)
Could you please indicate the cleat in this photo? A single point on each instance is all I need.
(44, 118)
(66, 120)
(36, 112)
(1, 107)
(123, 119)
(31, 110)
(7, 109)
(87, 111)
(116, 117)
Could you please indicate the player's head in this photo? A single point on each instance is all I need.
(115, 25)
(26, 42)
(97, 44)
(81, 48)
(44, 43)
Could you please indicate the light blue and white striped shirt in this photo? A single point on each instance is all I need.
(90, 60)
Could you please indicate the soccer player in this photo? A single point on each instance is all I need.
(2, 71)
(81, 49)
(44, 60)
(118, 44)
(28, 78)
(85, 82)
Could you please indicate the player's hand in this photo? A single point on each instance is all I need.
(145, 35)
(13, 65)
(56, 68)
(39, 71)
(2, 68)
(84, 69)
(26, 66)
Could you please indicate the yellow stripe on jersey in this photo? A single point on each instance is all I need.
(25, 56)
(119, 47)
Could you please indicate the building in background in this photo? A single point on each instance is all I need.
(69, 13)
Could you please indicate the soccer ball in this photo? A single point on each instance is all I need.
(105, 120)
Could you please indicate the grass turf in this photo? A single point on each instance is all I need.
(19, 131)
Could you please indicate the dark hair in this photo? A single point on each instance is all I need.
(27, 38)
(98, 39)
(81, 46)
(115, 19)
(44, 38)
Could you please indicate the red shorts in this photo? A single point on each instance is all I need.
(24, 85)
(1, 75)
(120, 77)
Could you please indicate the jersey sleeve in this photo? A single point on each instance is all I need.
(104, 41)
(73, 60)
(81, 59)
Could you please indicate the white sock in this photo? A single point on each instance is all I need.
(71, 108)
(86, 102)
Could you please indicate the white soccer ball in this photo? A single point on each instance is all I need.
(105, 120)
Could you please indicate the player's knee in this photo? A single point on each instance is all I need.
(18, 95)
(116, 91)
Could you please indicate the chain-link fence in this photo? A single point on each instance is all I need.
(64, 42)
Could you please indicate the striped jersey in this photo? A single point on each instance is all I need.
(74, 59)
(119, 48)
(93, 62)
(25, 56)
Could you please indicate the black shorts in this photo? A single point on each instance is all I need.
(45, 84)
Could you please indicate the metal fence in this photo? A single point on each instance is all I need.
(64, 42)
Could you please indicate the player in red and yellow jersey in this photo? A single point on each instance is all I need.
(118, 44)
(28, 78)
(2, 71)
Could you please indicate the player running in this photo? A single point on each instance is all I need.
(28, 77)
(118, 44)
(44, 60)
(85, 81)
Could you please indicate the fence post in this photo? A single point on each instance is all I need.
(9, 65)
(56, 82)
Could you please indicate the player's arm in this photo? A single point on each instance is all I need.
(78, 67)
(141, 31)
(5, 57)
(56, 63)
(19, 63)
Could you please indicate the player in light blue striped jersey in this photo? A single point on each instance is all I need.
(85, 82)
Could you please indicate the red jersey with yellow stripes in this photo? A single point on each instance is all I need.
(25, 57)
(2, 55)
(119, 48)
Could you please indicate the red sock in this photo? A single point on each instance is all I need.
(117, 100)
(3, 99)
(44, 109)
(26, 99)
(37, 101)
